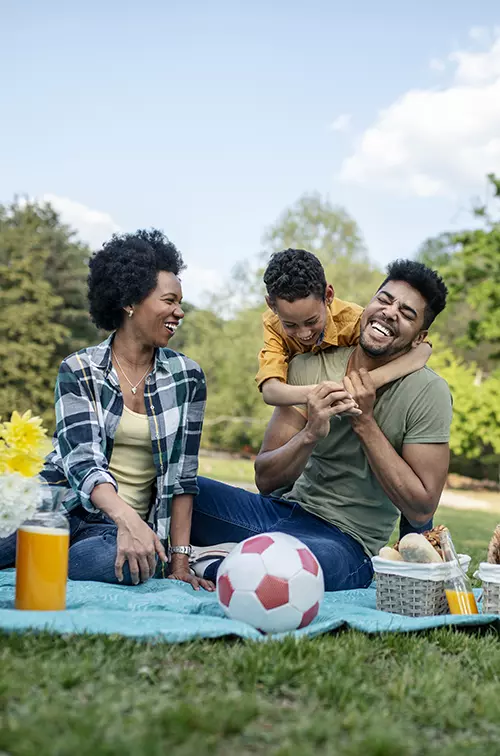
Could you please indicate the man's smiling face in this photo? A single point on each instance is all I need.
(393, 321)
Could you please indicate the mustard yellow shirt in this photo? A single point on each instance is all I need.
(341, 329)
(132, 463)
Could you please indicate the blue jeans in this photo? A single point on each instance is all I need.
(225, 513)
(92, 552)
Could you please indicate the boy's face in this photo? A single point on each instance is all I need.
(304, 319)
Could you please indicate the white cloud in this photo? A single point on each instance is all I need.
(92, 226)
(436, 141)
(198, 281)
(341, 123)
(436, 64)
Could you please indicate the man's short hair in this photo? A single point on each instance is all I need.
(294, 274)
(428, 282)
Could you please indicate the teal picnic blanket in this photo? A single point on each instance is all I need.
(171, 611)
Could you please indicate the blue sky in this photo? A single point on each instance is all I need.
(209, 119)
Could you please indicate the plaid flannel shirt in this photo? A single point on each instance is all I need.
(89, 405)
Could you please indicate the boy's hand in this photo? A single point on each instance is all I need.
(339, 387)
(323, 403)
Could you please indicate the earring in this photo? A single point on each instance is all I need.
(130, 313)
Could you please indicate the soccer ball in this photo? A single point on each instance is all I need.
(271, 581)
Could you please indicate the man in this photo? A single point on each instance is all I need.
(339, 484)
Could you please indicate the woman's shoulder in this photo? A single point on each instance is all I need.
(79, 362)
(180, 363)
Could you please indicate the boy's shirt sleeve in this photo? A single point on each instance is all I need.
(274, 356)
(348, 325)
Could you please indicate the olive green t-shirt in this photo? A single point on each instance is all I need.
(338, 484)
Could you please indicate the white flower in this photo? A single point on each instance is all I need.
(19, 498)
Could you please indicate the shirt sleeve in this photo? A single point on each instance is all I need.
(430, 414)
(273, 357)
(79, 436)
(186, 481)
(348, 331)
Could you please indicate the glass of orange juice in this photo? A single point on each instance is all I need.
(42, 559)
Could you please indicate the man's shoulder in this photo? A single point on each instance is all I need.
(425, 378)
(423, 389)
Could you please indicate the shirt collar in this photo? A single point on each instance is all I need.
(101, 357)
(329, 337)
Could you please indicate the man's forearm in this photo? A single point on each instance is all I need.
(282, 466)
(401, 484)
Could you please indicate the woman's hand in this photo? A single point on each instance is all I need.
(138, 545)
(180, 571)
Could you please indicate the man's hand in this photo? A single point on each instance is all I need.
(326, 400)
(362, 389)
(138, 545)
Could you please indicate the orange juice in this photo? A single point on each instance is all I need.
(461, 602)
(41, 567)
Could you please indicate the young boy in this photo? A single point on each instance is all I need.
(304, 315)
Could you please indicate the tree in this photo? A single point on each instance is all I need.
(471, 267)
(29, 333)
(27, 228)
(316, 225)
(475, 430)
(227, 350)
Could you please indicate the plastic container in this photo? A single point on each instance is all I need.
(42, 560)
(458, 588)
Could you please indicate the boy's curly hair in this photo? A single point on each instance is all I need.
(125, 270)
(294, 274)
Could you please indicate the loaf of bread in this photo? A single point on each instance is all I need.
(414, 547)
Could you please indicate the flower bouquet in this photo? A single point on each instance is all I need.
(21, 459)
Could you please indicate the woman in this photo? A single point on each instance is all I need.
(129, 415)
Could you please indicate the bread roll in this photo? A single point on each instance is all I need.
(414, 547)
(387, 552)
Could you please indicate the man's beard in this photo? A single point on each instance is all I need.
(373, 350)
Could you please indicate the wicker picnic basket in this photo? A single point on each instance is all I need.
(415, 590)
(489, 575)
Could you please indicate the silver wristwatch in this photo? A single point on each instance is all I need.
(186, 550)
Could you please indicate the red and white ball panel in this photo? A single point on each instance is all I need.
(271, 581)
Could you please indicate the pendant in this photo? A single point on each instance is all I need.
(134, 390)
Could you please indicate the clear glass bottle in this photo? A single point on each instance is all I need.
(42, 558)
(458, 589)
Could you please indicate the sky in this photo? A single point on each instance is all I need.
(208, 120)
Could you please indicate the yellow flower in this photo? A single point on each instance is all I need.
(23, 462)
(23, 432)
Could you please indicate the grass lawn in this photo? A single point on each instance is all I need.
(345, 694)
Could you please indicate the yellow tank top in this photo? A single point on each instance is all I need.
(132, 462)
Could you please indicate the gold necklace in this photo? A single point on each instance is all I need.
(132, 387)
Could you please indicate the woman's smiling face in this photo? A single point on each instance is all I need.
(158, 316)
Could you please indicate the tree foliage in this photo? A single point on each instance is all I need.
(29, 227)
(328, 231)
(29, 333)
(470, 264)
